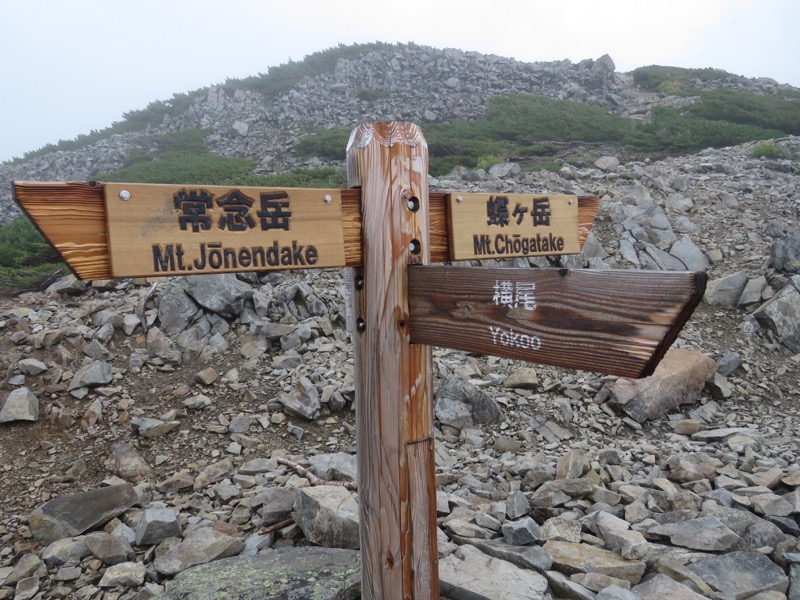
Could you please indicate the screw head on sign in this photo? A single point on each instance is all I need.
(328, 199)
(459, 199)
(124, 195)
(570, 202)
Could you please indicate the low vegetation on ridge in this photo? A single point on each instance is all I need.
(536, 131)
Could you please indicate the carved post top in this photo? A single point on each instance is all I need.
(381, 135)
(385, 133)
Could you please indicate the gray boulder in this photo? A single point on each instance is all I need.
(741, 574)
(785, 253)
(20, 405)
(74, 514)
(781, 314)
(461, 404)
(92, 375)
(223, 294)
(175, 308)
(689, 254)
(281, 573)
(726, 291)
(201, 546)
(469, 573)
(328, 516)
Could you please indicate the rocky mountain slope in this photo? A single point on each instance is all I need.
(151, 426)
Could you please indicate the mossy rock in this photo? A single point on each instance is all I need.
(311, 573)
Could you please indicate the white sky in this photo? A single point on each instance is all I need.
(70, 66)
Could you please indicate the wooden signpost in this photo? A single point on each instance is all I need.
(389, 228)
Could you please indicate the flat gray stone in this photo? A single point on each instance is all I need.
(223, 294)
(126, 574)
(111, 549)
(201, 546)
(703, 533)
(74, 514)
(469, 574)
(337, 466)
(31, 366)
(569, 557)
(308, 572)
(689, 254)
(175, 308)
(660, 587)
(527, 557)
(741, 574)
(92, 375)
(754, 531)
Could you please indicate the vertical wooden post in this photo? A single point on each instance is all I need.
(394, 408)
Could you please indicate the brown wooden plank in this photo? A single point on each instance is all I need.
(606, 321)
(422, 505)
(394, 406)
(71, 216)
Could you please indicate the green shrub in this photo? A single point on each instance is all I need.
(653, 76)
(774, 111)
(179, 158)
(306, 178)
(766, 150)
(25, 257)
(670, 132)
(22, 245)
(487, 162)
(329, 144)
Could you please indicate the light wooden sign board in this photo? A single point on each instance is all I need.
(512, 225)
(180, 230)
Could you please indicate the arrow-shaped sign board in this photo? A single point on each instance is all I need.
(115, 230)
(607, 321)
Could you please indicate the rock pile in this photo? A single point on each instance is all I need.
(159, 438)
(410, 82)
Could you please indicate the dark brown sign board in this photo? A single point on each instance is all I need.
(606, 321)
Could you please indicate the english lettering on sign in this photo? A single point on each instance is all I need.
(214, 257)
(493, 226)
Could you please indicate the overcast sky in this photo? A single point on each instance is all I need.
(70, 66)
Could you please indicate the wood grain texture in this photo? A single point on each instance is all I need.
(71, 216)
(393, 377)
(606, 321)
(421, 472)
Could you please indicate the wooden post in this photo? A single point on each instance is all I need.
(394, 408)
